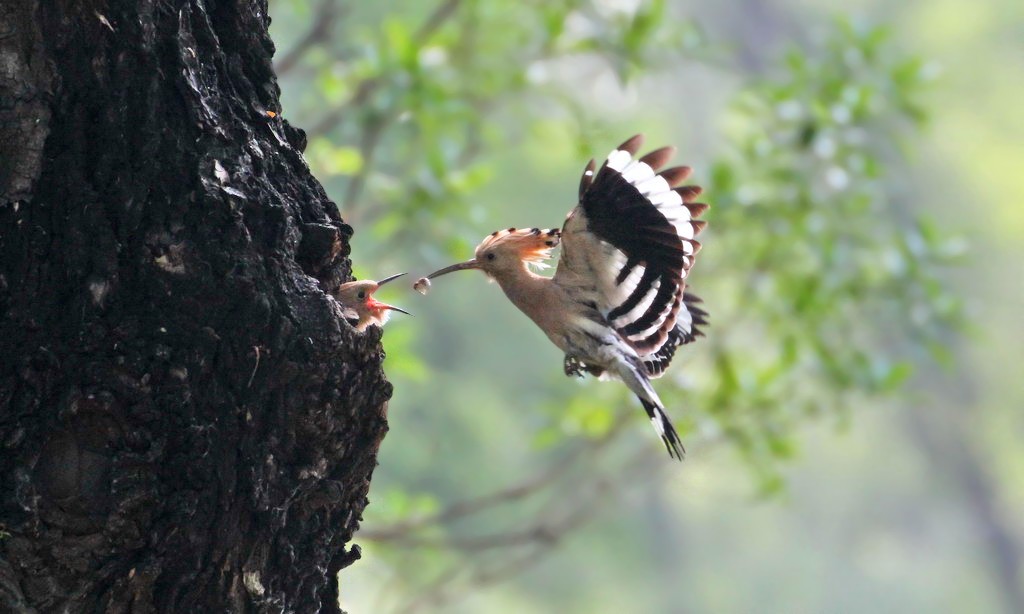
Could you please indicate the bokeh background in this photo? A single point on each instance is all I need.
(854, 418)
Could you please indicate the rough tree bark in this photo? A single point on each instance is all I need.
(186, 421)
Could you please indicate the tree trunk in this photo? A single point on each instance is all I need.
(186, 421)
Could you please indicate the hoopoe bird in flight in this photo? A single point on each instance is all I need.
(617, 304)
(361, 309)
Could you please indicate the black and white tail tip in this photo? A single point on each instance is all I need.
(665, 430)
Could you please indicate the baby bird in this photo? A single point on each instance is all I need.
(617, 304)
(361, 309)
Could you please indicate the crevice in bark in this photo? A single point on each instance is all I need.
(186, 421)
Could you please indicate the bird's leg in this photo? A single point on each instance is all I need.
(573, 366)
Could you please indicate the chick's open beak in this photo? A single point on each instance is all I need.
(373, 303)
(387, 279)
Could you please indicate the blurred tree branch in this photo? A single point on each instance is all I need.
(948, 444)
(325, 17)
(582, 455)
(521, 549)
(367, 87)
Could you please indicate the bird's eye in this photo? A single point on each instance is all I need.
(491, 256)
(362, 294)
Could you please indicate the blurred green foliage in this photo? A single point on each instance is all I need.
(822, 261)
(434, 123)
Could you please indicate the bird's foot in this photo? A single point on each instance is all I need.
(573, 366)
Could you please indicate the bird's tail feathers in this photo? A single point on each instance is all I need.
(665, 430)
(637, 381)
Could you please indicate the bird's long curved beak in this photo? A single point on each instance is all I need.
(462, 266)
(387, 279)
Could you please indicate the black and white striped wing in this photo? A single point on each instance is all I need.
(691, 317)
(633, 230)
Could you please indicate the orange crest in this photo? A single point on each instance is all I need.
(531, 245)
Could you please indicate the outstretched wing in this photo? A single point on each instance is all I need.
(630, 243)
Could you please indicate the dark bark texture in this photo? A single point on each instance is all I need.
(187, 424)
